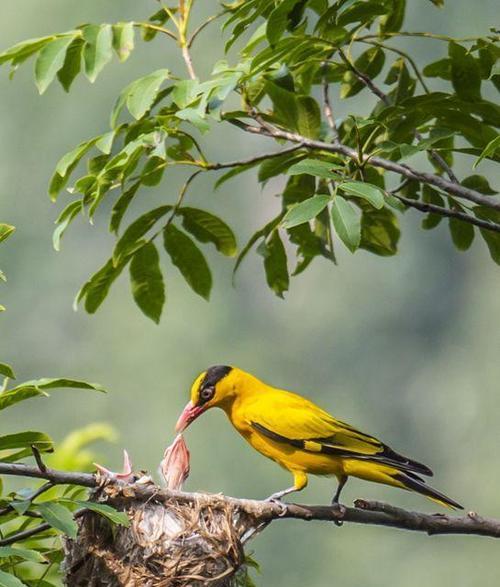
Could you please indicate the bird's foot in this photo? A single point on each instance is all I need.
(341, 511)
(126, 476)
(277, 499)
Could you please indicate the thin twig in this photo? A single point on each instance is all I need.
(19, 536)
(202, 26)
(38, 458)
(154, 27)
(405, 55)
(427, 207)
(365, 79)
(327, 107)
(253, 160)
(420, 34)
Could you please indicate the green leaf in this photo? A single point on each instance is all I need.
(8, 580)
(263, 232)
(316, 167)
(5, 231)
(369, 192)
(17, 395)
(58, 383)
(186, 256)
(26, 439)
(393, 21)
(305, 211)
(207, 227)
(22, 553)
(491, 148)
(491, 238)
(59, 517)
(95, 290)
(309, 117)
(462, 233)
(278, 20)
(379, 232)
(142, 93)
(50, 60)
(98, 49)
(275, 263)
(309, 246)
(21, 51)
(119, 518)
(347, 223)
(66, 217)
(72, 64)
(440, 68)
(369, 63)
(147, 284)
(465, 73)
(123, 39)
(6, 371)
(121, 206)
(131, 239)
(478, 183)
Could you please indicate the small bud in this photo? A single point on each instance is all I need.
(174, 468)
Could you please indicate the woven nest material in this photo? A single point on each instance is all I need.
(171, 542)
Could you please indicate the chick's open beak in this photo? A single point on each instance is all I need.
(189, 414)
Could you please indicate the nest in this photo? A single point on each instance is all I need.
(172, 541)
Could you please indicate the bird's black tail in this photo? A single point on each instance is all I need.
(415, 483)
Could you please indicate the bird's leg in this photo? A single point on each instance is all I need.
(336, 497)
(299, 482)
(335, 500)
(279, 494)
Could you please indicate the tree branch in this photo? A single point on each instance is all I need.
(404, 170)
(426, 207)
(252, 160)
(264, 512)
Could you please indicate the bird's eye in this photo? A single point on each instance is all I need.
(207, 393)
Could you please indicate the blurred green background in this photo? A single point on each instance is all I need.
(406, 348)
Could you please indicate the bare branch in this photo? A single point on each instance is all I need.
(56, 477)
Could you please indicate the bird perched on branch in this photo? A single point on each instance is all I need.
(300, 436)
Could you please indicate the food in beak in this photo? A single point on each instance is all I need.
(190, 413)
(174, 468)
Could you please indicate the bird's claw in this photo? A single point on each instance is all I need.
(341, 513)
(276, 500)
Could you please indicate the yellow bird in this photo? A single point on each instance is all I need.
(300, 436)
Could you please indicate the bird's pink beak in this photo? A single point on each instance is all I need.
(189, 414)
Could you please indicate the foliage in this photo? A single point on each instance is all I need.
(346, 180)
(282, 61)
(34, 559)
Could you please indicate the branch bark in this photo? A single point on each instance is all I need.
(264, 512)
